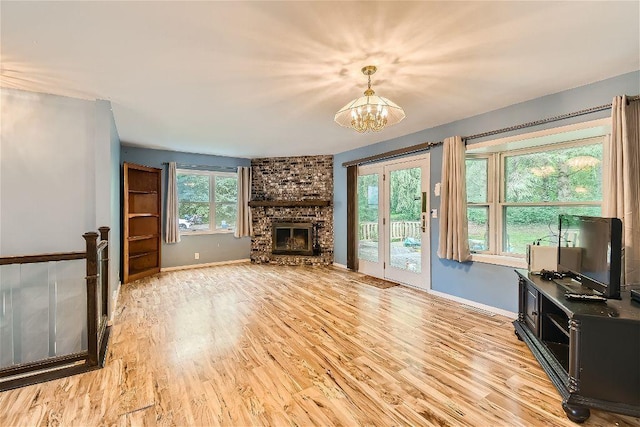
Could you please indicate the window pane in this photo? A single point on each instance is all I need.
(527, 224)
(568, 174)
(193, 216)
(226, 216)
(368, 235)
(404, 211)
(476, 180)
(226, 189)
(193, 188)
(478, 228)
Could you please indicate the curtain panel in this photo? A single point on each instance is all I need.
(172, 229)
(244, 227)
(352, 218)
(454, 234)
(622, 177)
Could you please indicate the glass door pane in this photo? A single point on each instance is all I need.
(370, 233)
(405, 196)
(368, 215)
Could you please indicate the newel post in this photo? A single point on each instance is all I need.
(91, 238)
(104, 236)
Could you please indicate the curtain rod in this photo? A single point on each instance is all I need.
(549, 119)
(425, 146)
(205, 167)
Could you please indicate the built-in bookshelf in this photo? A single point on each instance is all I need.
(141, 221)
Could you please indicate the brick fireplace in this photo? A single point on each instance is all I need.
(291, 207)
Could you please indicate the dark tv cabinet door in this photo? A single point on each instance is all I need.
(590, 351)
(531, 308)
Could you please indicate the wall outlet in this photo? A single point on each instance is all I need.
(434, 213)
(197, 255)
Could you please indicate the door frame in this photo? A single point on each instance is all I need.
(383, 266)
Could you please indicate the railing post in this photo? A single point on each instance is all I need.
(92, 309)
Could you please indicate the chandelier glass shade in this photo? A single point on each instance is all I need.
(369, 112)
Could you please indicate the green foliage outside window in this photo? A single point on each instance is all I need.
(195, 205)
(405, 197)
(368, 198)
(538, 186)
(564, 175)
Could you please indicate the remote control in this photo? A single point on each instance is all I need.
(583, 297)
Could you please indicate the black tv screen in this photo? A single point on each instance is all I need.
(590, 248)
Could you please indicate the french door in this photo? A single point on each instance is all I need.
(393, 206)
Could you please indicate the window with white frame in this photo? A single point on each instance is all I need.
(514, 196)
(207, 201)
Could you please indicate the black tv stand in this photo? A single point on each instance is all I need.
(590, 351)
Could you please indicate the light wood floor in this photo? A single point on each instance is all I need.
(270, 345)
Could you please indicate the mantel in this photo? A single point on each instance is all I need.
(289, 203)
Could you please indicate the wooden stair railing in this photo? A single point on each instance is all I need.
(98, 330)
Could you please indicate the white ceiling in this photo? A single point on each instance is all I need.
(252, 79)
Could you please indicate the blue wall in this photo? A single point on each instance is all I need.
(484, 283)
(211, 247)
(114, 233)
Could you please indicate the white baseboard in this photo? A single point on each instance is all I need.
(335, 264)
(475, 304)
(209, 264)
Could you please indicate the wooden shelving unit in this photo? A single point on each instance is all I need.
(142, 227)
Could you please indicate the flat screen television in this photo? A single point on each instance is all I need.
(590, 250)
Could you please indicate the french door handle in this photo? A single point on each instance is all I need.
(424, 223)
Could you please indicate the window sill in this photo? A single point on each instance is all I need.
(506, 261)
(204, 232)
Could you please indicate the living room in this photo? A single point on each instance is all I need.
(65, 149)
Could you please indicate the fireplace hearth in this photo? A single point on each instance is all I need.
(292, 238)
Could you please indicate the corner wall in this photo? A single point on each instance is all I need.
(487, 284)
(58, 175)
(211, 247)
(48, 183)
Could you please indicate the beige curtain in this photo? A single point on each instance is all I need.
(622, 178)
(172, 229)
(454, 235)
(243, 220)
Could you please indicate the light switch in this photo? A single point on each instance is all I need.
(436, 189)
(434, 213)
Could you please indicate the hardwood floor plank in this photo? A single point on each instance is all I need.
(272, 345)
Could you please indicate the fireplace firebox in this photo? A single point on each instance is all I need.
(292, 238)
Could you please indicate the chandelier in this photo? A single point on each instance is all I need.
(369, 112)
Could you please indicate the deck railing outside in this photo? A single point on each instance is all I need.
(400, 230)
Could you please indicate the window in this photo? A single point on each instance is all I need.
(514, 196)
(207, 201)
